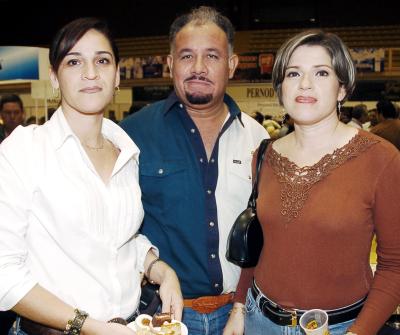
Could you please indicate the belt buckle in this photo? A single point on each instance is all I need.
(204, 305)
(293, 315)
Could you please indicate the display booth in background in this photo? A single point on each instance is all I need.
(27, 65)
(256, 97)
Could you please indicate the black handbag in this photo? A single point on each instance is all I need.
(150, 300)
(245, 239)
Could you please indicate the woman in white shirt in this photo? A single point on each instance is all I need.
(71, 207)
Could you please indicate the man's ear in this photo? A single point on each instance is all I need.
(170, 62)
(233, 63)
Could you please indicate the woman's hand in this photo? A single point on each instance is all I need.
(235, 324)
(170, 293)
(170, 290)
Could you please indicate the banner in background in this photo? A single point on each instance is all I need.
(252, 67)
(23, 63)
(368, 59)
(143, 67)
(255, 66)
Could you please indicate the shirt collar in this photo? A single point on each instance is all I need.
(60, 132)
(233, 108)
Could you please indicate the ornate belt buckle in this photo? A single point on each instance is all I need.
(293, 314)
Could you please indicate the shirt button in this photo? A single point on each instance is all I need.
(201, 160)
(249, 177)
(212, 256)
(211, 224)
(209, 191)
(192, 130)
(216, 285)
(160, 171)
(212, 160)
(180, 105)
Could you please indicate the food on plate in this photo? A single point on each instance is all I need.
(160, 324)
(160, 318)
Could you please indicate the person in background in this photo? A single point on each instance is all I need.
(287, 125)
(388, 125)
(359, 116)
(12, 114)
(373, 117)
(71, 257)
(345, 114)
(195, 166)
(324, 190)
(30, 120)
(259, 117)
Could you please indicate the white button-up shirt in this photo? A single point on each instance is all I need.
(62, 227)
(235, 184)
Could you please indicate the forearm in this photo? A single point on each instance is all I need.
(43, 307)
(161, 273)
(245, 281)
(155, 269)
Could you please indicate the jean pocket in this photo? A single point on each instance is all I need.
(340, 328)
(250, 302)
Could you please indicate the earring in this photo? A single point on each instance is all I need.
(339, 106)
(117, 90)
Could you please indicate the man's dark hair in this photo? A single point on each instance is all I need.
(387, 109)
(11, 98)
(200, 16)
(70, 34)
(359, 111)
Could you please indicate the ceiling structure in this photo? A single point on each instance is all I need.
(35, 22)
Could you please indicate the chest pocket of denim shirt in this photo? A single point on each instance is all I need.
(240, 173)
(163, 184)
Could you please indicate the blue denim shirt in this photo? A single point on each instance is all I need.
(178, 191)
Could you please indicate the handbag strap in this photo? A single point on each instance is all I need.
(260, 158)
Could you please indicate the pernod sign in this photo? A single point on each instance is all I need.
(260, 92)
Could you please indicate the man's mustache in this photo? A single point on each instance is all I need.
(194, 77)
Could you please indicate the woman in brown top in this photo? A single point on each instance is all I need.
(325, 190)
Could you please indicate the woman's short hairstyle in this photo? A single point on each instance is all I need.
(341, 60)
(200, 16)
(70, 34)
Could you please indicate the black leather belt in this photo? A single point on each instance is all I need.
(285, 317)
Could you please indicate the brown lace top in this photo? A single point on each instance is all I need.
(318, 223)
(297, 182)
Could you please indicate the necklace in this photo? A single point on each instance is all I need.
(100, 147)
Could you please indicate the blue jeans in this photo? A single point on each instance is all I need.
(17, 330)
(257, 324)
(206, 324)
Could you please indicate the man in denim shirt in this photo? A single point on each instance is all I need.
(195, 166)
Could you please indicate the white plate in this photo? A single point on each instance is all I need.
(184, 330)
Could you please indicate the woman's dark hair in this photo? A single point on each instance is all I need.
(70, 34)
